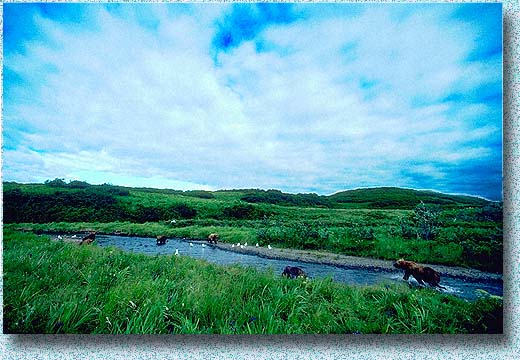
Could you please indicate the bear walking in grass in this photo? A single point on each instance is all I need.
(420, 273)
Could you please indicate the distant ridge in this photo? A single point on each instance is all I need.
(402, 198)
(361, 198)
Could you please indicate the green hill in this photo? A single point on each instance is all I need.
(79, 201)
(399, 198)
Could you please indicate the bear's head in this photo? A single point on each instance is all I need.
(402, 264)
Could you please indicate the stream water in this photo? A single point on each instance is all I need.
(464, 288)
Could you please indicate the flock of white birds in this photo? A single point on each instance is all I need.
(238, 245)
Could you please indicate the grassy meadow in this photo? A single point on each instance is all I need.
(59, 287)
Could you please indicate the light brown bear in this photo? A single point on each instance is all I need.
(89, 239)
(420, 273)
(213, 238)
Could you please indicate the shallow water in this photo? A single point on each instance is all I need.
(353, 276)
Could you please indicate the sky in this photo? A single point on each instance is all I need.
(297, 97)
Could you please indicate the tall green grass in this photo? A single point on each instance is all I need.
(59, 287)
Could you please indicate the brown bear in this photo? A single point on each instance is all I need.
(89, 239)
(293, 272)
(213, 238)
(161, 240)
(420, 273)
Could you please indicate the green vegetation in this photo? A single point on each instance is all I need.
(279, 198)
(60, 287)
(386, 223)
(398, 198)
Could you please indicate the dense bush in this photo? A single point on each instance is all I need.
(181, 211)
(242, 212)
(78, 205)
(279, 198)
(302, 235)
(199, 193)
(84, 205)
(481, 247)
(490, 212)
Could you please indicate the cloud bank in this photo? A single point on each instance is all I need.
(302, 98)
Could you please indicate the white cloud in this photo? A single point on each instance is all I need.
(127, 102)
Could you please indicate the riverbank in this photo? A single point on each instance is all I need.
(326, 258)
(346, 261)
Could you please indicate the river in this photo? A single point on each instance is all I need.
(462, 287)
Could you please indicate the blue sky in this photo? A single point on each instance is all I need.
(297, 97)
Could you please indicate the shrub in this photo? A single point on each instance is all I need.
(300, 235)
(427, 221)
(490, 212)
(407, 229)
(182, 211)
(56, 183)
(241, 212)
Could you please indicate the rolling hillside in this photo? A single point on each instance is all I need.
(399, 198)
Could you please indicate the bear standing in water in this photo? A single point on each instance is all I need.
(420, 273)
(161, 240)
(89, 239)
(213, 238)
(293, 272)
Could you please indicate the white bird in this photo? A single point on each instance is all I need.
(59, 237)
(269, 247)
(177, 252)
(245, 244)
(191, 244)
(256, 244)
(203, 245)
(241, 246)
(233, 245)
(238, 244)
(74, 236)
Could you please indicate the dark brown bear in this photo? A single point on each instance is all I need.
(420, 273)
(161, 240)
(293, 272)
